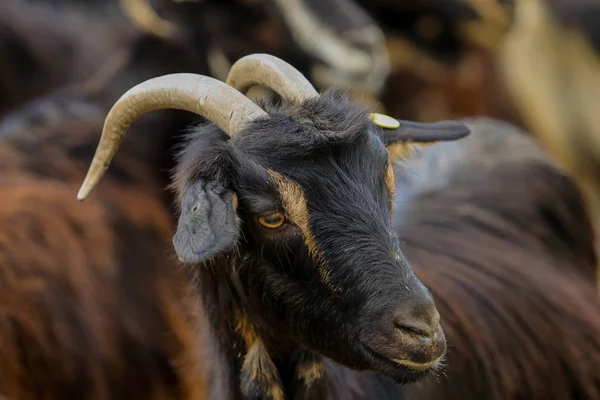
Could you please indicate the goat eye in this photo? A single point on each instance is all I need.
(274, 220)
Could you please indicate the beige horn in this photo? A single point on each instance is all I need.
(271, 72)
(141, 13)
(216, 101)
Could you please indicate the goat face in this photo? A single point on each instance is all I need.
(305, 199)
(295, 211)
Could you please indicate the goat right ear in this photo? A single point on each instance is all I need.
(400, 137)
(208, 224)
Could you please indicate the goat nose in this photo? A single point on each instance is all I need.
(422, 319)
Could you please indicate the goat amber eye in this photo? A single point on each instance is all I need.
(274, 220)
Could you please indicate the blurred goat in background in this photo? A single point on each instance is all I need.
(45, 45)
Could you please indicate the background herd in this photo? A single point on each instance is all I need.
(500, 226)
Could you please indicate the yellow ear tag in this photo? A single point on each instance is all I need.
(384, 121)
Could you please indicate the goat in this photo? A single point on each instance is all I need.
(301, 275)
(35, 177)
(268, 301)
(502, 239)
(92, 304)
(333, 42)
(213, 31)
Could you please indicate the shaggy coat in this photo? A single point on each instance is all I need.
(503, 242)
(302, 309)
(255, 293)
(92, 304)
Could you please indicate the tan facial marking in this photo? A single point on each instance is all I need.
(235, 201)
(406, 150)
(390, 180)
(258, 367)
(401, 150)
(309, 372)
(294, 202)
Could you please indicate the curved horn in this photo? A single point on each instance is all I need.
(273, 73)
(216, 101)
(143, 16)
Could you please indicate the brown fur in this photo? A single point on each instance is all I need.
(92, 304)
(502, 240)
(390, 182)
(518, 325)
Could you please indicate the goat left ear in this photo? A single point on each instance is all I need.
(400, 136)
(208, 224)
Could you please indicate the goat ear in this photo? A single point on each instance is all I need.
(401, 137)
(208, 224)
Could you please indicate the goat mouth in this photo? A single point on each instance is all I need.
(402, 370)
(419, 367)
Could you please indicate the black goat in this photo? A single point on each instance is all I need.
(302, 274)
(503, 241)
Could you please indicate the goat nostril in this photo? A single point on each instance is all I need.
(415, 330)
(422, 320)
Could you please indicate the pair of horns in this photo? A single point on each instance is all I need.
(225, 104)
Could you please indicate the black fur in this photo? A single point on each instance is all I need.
(425, 133)
(295, 310)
